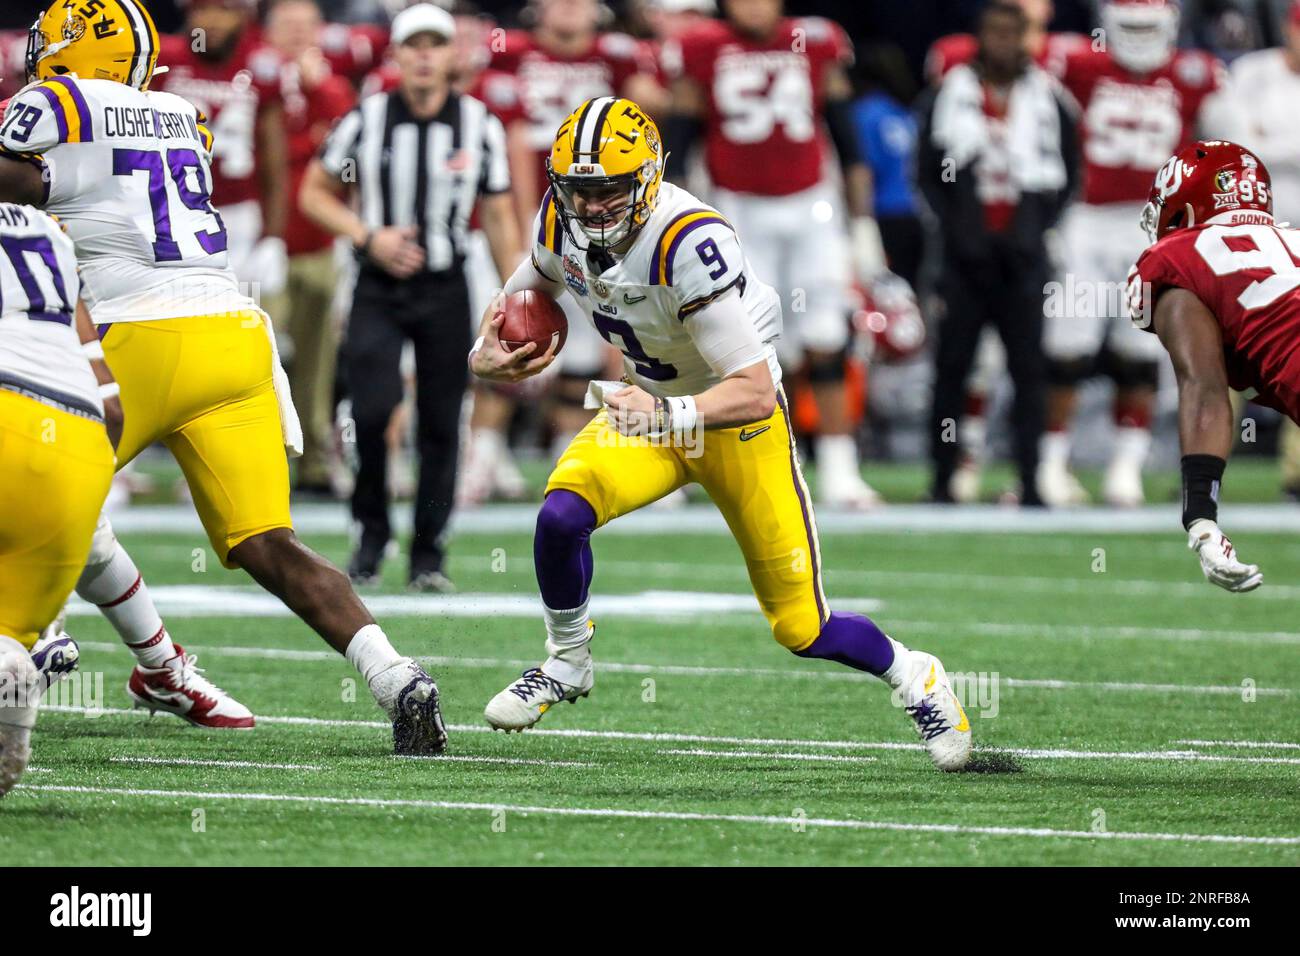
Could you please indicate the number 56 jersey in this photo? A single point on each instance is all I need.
(685, 256)
(1248, 274)
(129, 174)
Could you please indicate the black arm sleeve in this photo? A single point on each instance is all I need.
(928, 172)
(680, 133)
(839, 120)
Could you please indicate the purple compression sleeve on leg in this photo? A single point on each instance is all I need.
(562, 549)
(852, 639)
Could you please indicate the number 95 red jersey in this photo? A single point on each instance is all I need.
(1247, 272)
(763, 132)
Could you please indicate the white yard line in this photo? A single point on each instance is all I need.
(672, 738)
(312, 518)
(197, 600)
(183, 762)
(1245, 744)
(690, 670)
(760, 755)
(683, 816)
(513, 761)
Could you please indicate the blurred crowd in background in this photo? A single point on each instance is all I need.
(994, 324)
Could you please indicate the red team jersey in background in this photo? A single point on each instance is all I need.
(13, 62)
(1247, 276)
(1132, 123)
(308, 117)
(763, 130)
(551, 86)
(958, 48)
(232, 92)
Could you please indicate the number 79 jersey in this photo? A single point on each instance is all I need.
(1248, 275)
(684, 257)
(128, 173)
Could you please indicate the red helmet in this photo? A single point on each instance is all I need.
(888, 320)
(1205, 181)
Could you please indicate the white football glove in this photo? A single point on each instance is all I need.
(267, 264)
(1219, 558)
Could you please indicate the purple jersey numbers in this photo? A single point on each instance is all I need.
(711, 256)
(20, 122)
(17, 249)
(646, 366)
(179, 163)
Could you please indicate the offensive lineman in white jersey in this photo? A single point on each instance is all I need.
(56, 455)
(130, 169)
(664, 279)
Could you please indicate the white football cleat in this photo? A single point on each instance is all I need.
(937, 713)
(1121, 485)
(20, 692)
(523, 703)
(1059, 488)
(409, 696)
(179, 687)
(55, 653)
(846, 489)
(964, 485)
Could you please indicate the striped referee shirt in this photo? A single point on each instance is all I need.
(424, 173)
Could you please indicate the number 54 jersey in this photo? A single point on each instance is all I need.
(128, 172)
(685, 256)
(1248, 274)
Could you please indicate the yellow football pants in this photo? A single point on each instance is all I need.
(751, 473)
(202, 386)
(55, 469)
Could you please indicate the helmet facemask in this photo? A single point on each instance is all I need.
(1141, 39)
(616, 221)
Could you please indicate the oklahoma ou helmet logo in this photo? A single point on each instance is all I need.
(1170, 177)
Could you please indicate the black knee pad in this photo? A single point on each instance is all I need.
(1069, 372)
(1131, 373)
(827, 369)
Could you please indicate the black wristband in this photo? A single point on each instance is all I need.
(1202, 475)
(363, 250)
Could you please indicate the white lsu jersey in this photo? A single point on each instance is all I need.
(685, 256)
(40, 351)
(129, 174)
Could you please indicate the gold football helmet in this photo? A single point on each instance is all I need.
(95, 40)
(606, 146)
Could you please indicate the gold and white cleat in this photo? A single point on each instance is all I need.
(937, 713)
(523, 703)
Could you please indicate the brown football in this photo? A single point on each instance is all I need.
(533, 316)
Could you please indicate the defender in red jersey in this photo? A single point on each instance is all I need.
(221, 66)
(764, 91)
(1140, 100)
(1220, 286)
(13, 62)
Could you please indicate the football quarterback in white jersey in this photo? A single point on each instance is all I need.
(56, 455)
(665, 280)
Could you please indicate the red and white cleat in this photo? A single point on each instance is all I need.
(179, 687)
